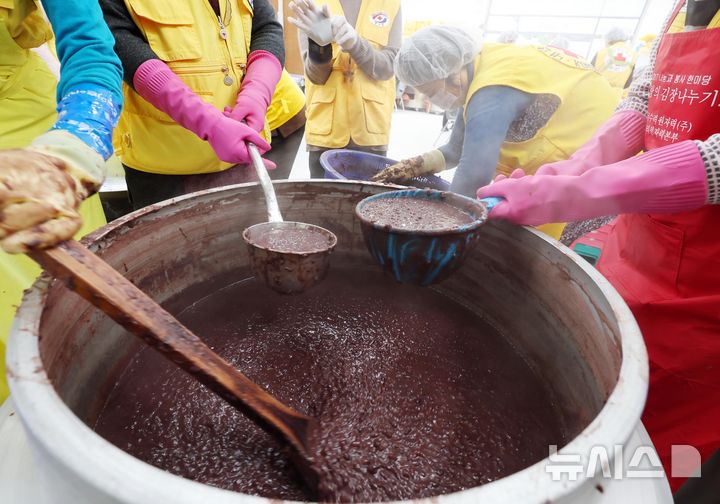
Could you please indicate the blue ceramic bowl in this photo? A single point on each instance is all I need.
(422, 257)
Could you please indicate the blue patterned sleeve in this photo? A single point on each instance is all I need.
(90, 113)
(89, 93)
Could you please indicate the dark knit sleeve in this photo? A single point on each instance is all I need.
(267, 32)
(130, 44)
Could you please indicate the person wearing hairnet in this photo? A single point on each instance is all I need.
(522, 106)
(50, 161)
(616, 60)
(663, 254)
(348, 48)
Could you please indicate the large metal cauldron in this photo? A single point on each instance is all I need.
(562, 314)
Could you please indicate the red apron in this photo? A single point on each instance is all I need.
(667, 267)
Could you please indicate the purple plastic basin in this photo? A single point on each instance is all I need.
(344, 164)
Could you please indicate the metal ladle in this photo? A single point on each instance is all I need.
(285, 271)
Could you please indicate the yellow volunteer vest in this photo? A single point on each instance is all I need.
(350, 105)
(586, 101)
(186, 35)
(22, 27)
(616, 63)
(27, 110)
(286, 103)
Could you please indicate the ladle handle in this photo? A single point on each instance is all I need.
(273, 208)
(100, 284)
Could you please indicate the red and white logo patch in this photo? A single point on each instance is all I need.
(380, 19)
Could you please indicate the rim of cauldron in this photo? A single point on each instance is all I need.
(68, 441)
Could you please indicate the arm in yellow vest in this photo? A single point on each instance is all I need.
(376, 63)
(317, 59)
(312, 20)
(474, 147)
(42, 186)
(488, 118)
(263, 74)
(437, 160)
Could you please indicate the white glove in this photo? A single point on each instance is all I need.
(343, 33)
(81, 161)
(41, 188)
(313, 21)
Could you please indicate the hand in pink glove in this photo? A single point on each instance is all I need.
(517, 173)
(665, 180)
(258, 86)
(155, 82)
(622, 136)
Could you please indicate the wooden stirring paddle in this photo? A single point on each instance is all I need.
(100, 284)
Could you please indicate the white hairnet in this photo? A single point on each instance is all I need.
(435, 53)
(616, 34)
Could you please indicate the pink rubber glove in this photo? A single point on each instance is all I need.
(155, 82)
(665, 180)
(622, 136)
(517, 173)
(258, 86)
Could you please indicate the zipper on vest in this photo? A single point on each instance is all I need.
(227, 79)
(223, 30)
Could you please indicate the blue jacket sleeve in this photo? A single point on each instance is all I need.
(89, 95)
(488, 117)
(84, 45)
(453, 149)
